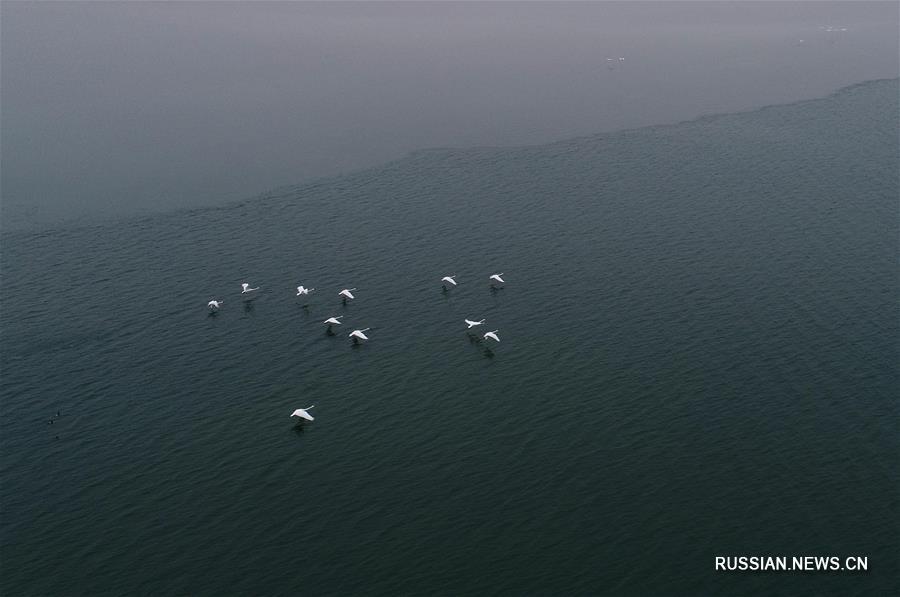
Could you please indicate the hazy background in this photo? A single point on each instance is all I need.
(114, 109)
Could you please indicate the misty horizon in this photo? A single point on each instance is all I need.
(127, 108)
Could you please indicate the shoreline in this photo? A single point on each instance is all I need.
(101, 222)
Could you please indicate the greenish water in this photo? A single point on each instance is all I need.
(698, 359)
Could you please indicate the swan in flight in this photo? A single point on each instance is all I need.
(492, 335)
(246, 290)
(301, 290)
(346, 294)
(333, 320)
(359, 335)
(449, 280)
(474, 323)
(214, 305)
(497, 278)
(301, 412)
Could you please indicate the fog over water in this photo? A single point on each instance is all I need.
(115, 109)
(698, 358)
(698, 320)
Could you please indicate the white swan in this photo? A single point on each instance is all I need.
(474, 323)
(333, 320)
(449, 279)
(497, 277)
(301, 412)
(347, 294)
(492, 335)
(359, 334)
(246, 290)
(301, 290)
(214, 305)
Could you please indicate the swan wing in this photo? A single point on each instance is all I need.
(302, 414)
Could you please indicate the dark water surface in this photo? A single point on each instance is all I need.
(698, 358)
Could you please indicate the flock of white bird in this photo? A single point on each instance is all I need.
(249, 294)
